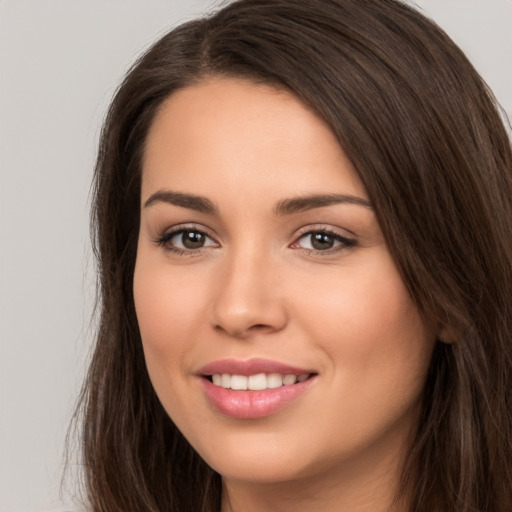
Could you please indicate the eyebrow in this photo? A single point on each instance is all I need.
(192, 202)
(304, 203)
(283, 207)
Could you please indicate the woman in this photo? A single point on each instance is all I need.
(303, 225)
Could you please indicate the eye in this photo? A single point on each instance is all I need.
(323, 241)
(186, 240)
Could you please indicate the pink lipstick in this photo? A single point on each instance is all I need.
(254, 388)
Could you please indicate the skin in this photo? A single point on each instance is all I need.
(258, 289)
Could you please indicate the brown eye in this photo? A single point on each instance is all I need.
(323, 241)
(186, 240)
(192, 239)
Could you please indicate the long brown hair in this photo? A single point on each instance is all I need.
(425, 136)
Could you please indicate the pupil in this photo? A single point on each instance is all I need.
(192, 239)
(322, 241)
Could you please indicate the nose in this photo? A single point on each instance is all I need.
(248, 299)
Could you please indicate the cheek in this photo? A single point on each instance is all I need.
(369, 302)
(368, 325)
(378, 353)
(166, 305)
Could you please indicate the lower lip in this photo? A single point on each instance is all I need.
(253, 404)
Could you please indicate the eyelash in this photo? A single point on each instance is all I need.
(345, 243)
(165, 238)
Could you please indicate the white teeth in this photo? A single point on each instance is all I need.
(238, 382)
(257, 382)
(288, 380)
(274, 380)
(225, 380)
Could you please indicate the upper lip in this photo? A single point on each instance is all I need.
(251, 367)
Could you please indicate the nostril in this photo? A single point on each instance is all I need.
(260, 329)
(243, 332)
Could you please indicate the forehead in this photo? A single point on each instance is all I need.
(235, 134)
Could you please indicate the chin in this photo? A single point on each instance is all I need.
(258, 470)
(264, 458)
(278, 468)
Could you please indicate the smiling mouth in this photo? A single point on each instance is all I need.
(257, 382)
(255, 388)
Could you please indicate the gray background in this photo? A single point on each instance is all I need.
(60, 61)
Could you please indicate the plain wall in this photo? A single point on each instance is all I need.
(60, 62)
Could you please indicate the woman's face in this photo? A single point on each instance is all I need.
(261, 264)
